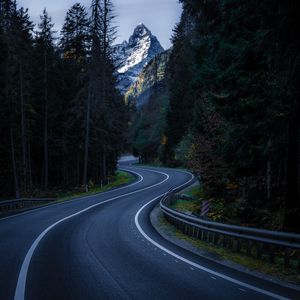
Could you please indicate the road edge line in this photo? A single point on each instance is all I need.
(191, 263)
(21, 283)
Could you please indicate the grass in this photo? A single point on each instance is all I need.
(119, 179)
(158, 164)
(187, 205)
(276, 270)
(219, 211)
(193, 206)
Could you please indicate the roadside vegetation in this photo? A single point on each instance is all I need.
(119, 179)
(229, 110)
(62, 120)
(230, 212)
(228, 257)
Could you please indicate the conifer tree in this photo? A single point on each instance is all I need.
(44, 42)
(58, 104)
(75, 33)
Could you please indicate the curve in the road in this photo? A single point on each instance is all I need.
(193, 264)
(141, 178)
(21, 284)
(111, 251)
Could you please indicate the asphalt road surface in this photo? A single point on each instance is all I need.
(104, 247)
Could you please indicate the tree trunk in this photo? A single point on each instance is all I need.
(65, 165)
(23, 129)
(46, 162)
(87, 140)
(30, 167)
(269, 176)
(104, 171)
(17, 188)
(292, 201)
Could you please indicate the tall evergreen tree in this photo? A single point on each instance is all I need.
(241, 78)
(74, 41)
(58, 104)
(44, 42)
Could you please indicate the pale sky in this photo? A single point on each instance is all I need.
(160, 16)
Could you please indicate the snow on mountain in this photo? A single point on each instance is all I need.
(134, 55)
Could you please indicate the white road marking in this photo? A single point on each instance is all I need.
(191, 263)
(77, 198)
(212, 277)
(21, 284)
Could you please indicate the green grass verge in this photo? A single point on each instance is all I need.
(193, 206)
(119, 179)
(276, 270)
(219, 210)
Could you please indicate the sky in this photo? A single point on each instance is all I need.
(160, 16)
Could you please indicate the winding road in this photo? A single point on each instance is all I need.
(104, 247)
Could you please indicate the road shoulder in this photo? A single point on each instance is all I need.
(170, 233)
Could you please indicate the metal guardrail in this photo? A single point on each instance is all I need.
(14, 204)
(259, 243)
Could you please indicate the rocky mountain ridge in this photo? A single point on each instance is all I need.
(133, 55)
(150, 78)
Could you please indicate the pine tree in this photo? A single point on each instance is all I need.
(44, 42)
(103, 130)
(58, 104)
(74, 33)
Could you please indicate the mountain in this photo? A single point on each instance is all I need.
(133, 55)
(151, 77)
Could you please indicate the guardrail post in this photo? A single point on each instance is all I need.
(271, 254)
(193, 231)
(208, 237)
(249, 248)
(230, 243)
(215, 239)
(259, 250)
(261, 244)
(239, 245)
(287, 253)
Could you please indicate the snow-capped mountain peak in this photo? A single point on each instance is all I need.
(134, 55)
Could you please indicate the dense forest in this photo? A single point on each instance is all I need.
(62, 120)
(232, 116)
(224, 102)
